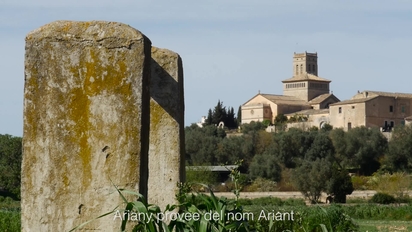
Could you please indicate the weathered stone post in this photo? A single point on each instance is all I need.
(166, 150)
(86, 122)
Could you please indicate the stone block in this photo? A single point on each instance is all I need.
(166, 149)
(86, 122)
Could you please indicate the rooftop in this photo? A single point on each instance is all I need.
(321, 98)
(309, 112)
(352, 101)
(305, 77)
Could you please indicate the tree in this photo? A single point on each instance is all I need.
(209, 117)
(399, 157)
(252, 127)
(201, 144)
(321, 147)
(360, 147)
(364, 147)
(339, 185)
(239, 115)
(230, 120)
(337, 137)
(311, 178)
(265, 166)
(10, 164)
(292, 146)
(220, 114)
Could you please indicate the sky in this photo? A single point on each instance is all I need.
(231, 49)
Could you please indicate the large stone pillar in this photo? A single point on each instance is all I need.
(166, 149)
(86, 122)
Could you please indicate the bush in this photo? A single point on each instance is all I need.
(262, 185)
(383, 198)
(393, 184)
(360, 182)
(201, 175)
(10, 221)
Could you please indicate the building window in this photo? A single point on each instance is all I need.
(340, 109)
(301, 68)
(353, 107)
(309, 67)
(349, 125)
(390, 108)
(392, 124)
(403, 109)
(297, 69)
(314, 69)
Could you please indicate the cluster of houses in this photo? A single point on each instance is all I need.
(307, 96)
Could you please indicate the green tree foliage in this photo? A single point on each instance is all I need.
(399, 157)
(209, 118)
(239, 116)
(201, 176)
(360, 148)
(311, 177)
(232, 149)
(252, 127)
(280, 119)
(221, 114)
(265, 166)
(10, 164)
(364, 147)
(321, 147)
(339, 185)
(201, 144)
(292, 145)
(230, 120)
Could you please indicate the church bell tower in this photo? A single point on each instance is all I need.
(305, 63)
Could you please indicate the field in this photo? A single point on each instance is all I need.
(293, 214)
(384, 226)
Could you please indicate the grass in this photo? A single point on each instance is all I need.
(9, 215)
(384, 226)
(9, 221)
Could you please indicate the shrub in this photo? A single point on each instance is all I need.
(262, 185)
(10, 221)
(360, 182)
(201, 175)
(383, 198)
(393, 184)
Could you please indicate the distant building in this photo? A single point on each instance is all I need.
(307, 96)
(303, 91)
(372, 109)
(202, 121)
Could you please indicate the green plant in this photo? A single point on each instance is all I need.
(393, 184)
(200, 175)
(262, 185)
(10, 221)
(383, 198)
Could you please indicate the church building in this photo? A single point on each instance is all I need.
(305, 92)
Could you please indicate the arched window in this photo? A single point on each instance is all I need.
(301, 68)
(297, 69)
